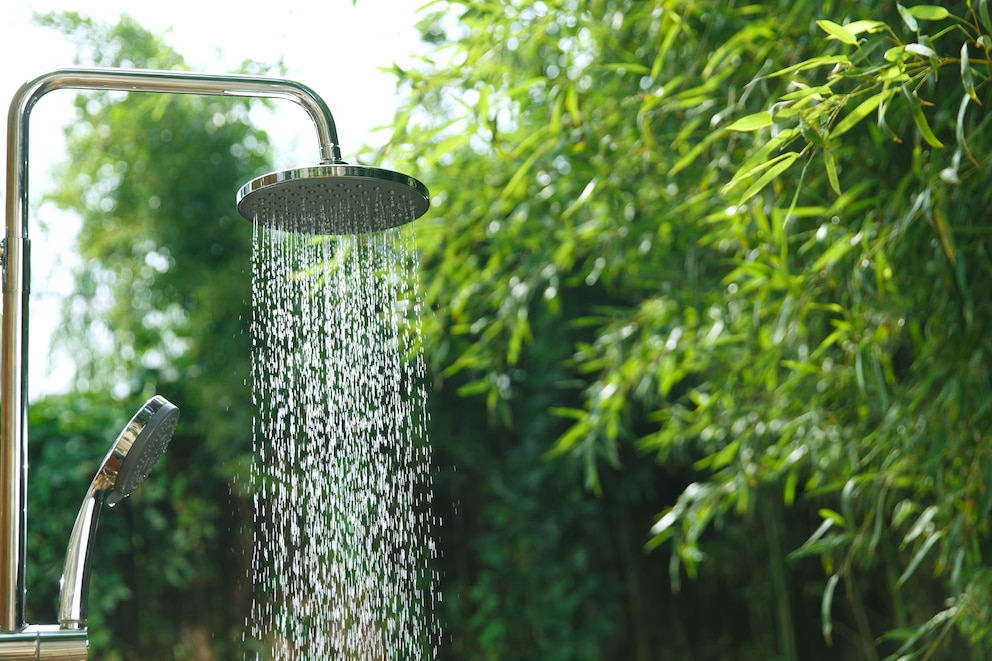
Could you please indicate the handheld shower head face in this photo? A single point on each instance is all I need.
(333, 199)
(140, 445)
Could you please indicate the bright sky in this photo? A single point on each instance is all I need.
(332, 46)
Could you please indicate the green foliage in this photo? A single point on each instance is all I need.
(70, 437)
(747, 242)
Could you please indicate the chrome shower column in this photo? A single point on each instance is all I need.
(15, 257)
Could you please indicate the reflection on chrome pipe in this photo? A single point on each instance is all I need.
(45, 642)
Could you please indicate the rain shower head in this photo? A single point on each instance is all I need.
(333, 199)
(130, 460)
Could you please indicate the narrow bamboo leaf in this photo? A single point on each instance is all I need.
(811, 134)
(907, 18)
(922, 522)
(833, 516)
(694, 153)
(959, 128)
(920, 49)
(753, 122)
(831, 165)
(822, 60)
(837, 31)
(747, 170)
(946, 237)
(846, 500)
(625, 67)
(916, 109)
(879, 526)
(825, 608)
(578, 202)
(863, 109)
(805, 92)
(956, 571)
(882, 107)
(967, 79)
(832, 255)
(789, 489)
(928, 12)
(760, 158)
(857, 27)
(572, 104)
(514, 186)
(818, 533)
(719, 459)
(918, 557)
(983, 14)
(770, 175)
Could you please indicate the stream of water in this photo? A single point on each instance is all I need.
(343, 535)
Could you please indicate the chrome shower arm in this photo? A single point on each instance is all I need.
(15, 260)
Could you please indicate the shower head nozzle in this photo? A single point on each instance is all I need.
(333, 199)
(139, 446)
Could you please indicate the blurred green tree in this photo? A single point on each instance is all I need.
(160, 305)
(730, 258)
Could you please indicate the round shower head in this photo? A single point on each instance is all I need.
(333, 199)
(140, 445)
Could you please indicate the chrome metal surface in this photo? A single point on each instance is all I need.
(16, 271)
(44, 642)
(127, 464)
(333, 199)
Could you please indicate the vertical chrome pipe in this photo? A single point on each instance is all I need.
(16, 271)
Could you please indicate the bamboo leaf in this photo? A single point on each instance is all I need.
(928, 12)
(572, 104)
(922, 523)
(920, 49)
(825, 608)
(784, 161)
(822, 60)
(983, 14)
(857, 27)
(831, 166)
(789, 489)
(833, 516)
(832, 255)
(805, 92)
(863, 109)
(916, 110)
(908, 18)
(837, 31)
(918, 557)
(747, 170)
(758, 120)
(811, 134)
(967, 79)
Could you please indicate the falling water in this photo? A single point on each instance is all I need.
(343, 538)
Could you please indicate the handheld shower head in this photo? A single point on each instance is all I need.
(335, 198)
(127, 464)
(140, 445)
